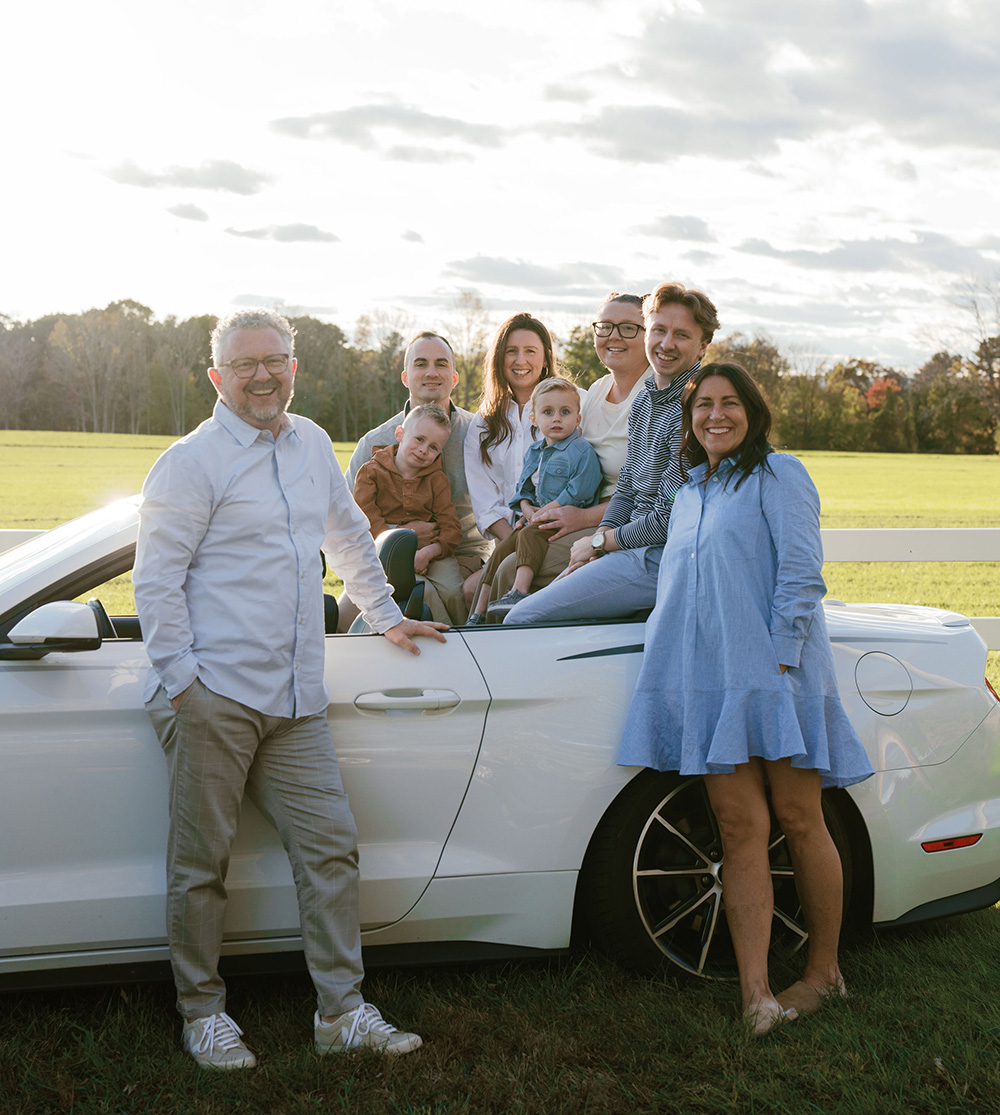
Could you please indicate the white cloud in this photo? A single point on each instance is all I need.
(214, 174)
(188, 212)
(287, 234)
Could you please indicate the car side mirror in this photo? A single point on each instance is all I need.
(59, 625)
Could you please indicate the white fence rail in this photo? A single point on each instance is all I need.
(912, 544)
(922, 544)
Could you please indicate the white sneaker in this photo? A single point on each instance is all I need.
(362, 1028)
(214, 1042)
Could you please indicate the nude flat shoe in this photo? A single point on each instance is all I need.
(762, 1019)
(804, 999)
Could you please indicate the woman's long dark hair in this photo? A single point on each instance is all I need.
(496, 390)
(753, 451)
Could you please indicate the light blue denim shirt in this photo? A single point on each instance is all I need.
(228, 580)
(569, 473)
(739, 596)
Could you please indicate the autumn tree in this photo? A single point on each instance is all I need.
(981, 301)
(128, 323)
(758, 354)
(20, 362)
(950, 414)
(468, 329)
(380, 340)
(890, 427)
(321, 383)
(580, 357)
(183, 352)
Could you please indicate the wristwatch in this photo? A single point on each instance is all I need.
(597, 543)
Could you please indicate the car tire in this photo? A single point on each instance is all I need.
(650, 892)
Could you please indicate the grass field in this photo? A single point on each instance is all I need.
(921, 1033)
(50, 477)
(920, 1036)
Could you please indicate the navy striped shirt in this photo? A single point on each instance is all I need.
(640, 508)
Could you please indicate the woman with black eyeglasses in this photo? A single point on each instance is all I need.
(620, 344)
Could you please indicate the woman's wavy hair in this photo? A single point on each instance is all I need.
(753, 452)
(496, 390)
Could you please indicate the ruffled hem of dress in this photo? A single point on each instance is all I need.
(713, 733)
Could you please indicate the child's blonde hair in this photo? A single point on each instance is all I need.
(431, 411)
(553, 383)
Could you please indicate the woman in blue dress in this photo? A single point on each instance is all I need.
(738, 682)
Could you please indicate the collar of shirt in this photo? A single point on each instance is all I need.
(674, 387)
(408, 406)
(560, 445)
(244, 433)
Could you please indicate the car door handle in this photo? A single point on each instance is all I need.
(416, 699)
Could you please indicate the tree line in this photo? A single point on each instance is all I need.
(121, 370)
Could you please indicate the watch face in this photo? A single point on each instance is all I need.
(598, 540)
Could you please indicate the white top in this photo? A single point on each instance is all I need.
(605, 426)
(492, 486)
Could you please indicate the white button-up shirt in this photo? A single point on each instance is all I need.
(228, 576)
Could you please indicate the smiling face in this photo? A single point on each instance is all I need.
(556, 414)
(523, 362)
(429, 373)
(420, 445)
(620, 354)
(262, 399)
(674, 342)
(718, 419)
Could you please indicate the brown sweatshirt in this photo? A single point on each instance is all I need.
(389, 498)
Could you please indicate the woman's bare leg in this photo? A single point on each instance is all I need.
(797, 803)
(740, 806)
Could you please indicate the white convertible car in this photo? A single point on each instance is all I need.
(482, 774)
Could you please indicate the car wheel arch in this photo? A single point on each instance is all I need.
(620, 904)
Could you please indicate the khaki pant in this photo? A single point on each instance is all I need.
(443, 593)
(554, 561)
(217, 750)
(529, 543)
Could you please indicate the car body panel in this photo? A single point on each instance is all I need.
(478, 773)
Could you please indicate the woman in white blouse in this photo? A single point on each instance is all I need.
(620, 346)
(520, 355)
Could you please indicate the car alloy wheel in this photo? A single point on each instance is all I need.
(652, 888)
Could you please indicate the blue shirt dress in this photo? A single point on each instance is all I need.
(739, 594)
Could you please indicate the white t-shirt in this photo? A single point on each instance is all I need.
(605, 426)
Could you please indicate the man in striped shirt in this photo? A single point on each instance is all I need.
(680, 324)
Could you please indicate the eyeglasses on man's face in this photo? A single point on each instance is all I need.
(626, 329)
(246, 366)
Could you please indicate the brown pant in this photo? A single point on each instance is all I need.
(529, 543)
(554, 562)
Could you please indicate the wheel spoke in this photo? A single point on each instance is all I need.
(708, 934)
(678, 835)
(795, 927)
(674, 873)
(680, 912)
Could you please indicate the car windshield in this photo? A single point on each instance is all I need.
(69, 536)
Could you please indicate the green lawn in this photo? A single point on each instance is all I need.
(905, 489)
(919, 1036)
(50, 477)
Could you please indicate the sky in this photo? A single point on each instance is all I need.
(826, 170)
